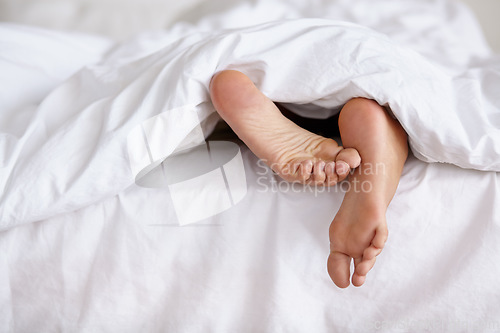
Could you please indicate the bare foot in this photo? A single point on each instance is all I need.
(359, 230)
(296, 154)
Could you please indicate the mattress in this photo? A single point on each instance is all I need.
(95, 237)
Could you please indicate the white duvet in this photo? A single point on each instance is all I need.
(449, 118)
(71, 106)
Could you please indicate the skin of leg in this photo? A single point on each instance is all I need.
(359, 230)
(296, 154)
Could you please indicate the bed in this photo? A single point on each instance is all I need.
(105, 228)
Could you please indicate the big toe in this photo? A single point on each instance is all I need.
(346, 160)
(339, 269)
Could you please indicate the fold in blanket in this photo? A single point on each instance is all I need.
(76, 145)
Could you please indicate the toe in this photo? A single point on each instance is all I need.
(339, 269)
(381, 235)
(305, 171)
(346, 160)
(371, 252)
(377, 243)
(331, 176)
(358, 280)
(342, 169)
(362, 267)
(319, 176)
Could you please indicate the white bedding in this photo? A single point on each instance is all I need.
(87, 249)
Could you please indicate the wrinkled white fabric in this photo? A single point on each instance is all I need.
(108, 255)
(124, 263)
(448, 118)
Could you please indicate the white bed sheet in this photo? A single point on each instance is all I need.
(122, 263)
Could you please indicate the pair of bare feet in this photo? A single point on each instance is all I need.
(377, 150)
